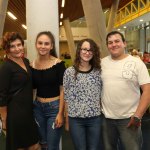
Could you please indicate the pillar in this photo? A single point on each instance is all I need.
(96, 23)
(70, 40)
(112, 15)
(142, 40)
(41, 16)
(3, 9)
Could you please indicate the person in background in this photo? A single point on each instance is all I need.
(16, 97)
(146, 57)
(47, 73)
(135, 53)
(122, 104)
(82, 94)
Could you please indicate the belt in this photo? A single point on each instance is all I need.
(45, 100)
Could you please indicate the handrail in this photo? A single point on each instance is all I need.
(132, 10)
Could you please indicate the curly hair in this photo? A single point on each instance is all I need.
(8, 38)
(95, 62)
(51, 37)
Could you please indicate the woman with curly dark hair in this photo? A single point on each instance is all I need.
(16, 97)
(82, 93)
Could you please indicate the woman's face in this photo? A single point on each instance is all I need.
(43, 45)
(86, 53)
(16, 49)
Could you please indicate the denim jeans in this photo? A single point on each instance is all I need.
(45, 114)
(85, 132)
(115, 131)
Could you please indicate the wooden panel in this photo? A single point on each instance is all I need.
(72, 10)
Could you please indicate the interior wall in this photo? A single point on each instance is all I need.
(132, 39)
(63, 48)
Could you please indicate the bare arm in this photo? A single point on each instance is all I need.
(66, 117)
(3, 114)
(60, 115)
(144, 101)
(61, 105)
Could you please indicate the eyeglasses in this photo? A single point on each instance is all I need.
(85, 50)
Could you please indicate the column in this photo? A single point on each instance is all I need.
(41, 16)
(3, 9)
(112, 15)
(70, 40)
(96, 23)
(142, 40)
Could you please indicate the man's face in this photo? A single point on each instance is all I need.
(116, 46)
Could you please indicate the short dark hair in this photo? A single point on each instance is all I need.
(51, 37)
(9, 37)
(113, 33)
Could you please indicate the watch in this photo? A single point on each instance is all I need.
(136, 119)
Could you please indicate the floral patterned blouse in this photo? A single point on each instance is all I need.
(83, 92)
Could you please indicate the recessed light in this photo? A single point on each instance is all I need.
(106, 11)
(11, 15)
(63, 3)
(24, 26)
(61, 15)
(118, 29)
(60, 23)
(124, 27)
(141, 20)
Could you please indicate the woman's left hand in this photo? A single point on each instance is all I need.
(59, 120)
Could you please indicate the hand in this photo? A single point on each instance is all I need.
(59, 120)
(134, 123)
(66, 123)
(3, 124)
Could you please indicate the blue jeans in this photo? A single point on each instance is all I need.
(114, 130)
(45, 114)
(85, 132)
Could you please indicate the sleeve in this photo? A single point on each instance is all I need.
(143, 75)
(66, 83)
(61, 70)
(5, 77)
(33, 79)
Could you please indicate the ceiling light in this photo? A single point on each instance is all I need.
(63, 3)
(124, 27)
(11, 15)
(118, 29)
(106, 11)
(60, 23)
(24, 26)
(141, 20)
(61, 15)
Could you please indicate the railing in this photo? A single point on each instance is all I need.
(132, 10)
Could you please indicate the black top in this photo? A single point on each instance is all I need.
(16, 93)
(48, 81)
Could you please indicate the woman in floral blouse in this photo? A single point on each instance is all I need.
(82, 87)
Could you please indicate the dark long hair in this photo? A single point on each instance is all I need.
(51, 37)
(95, 61)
